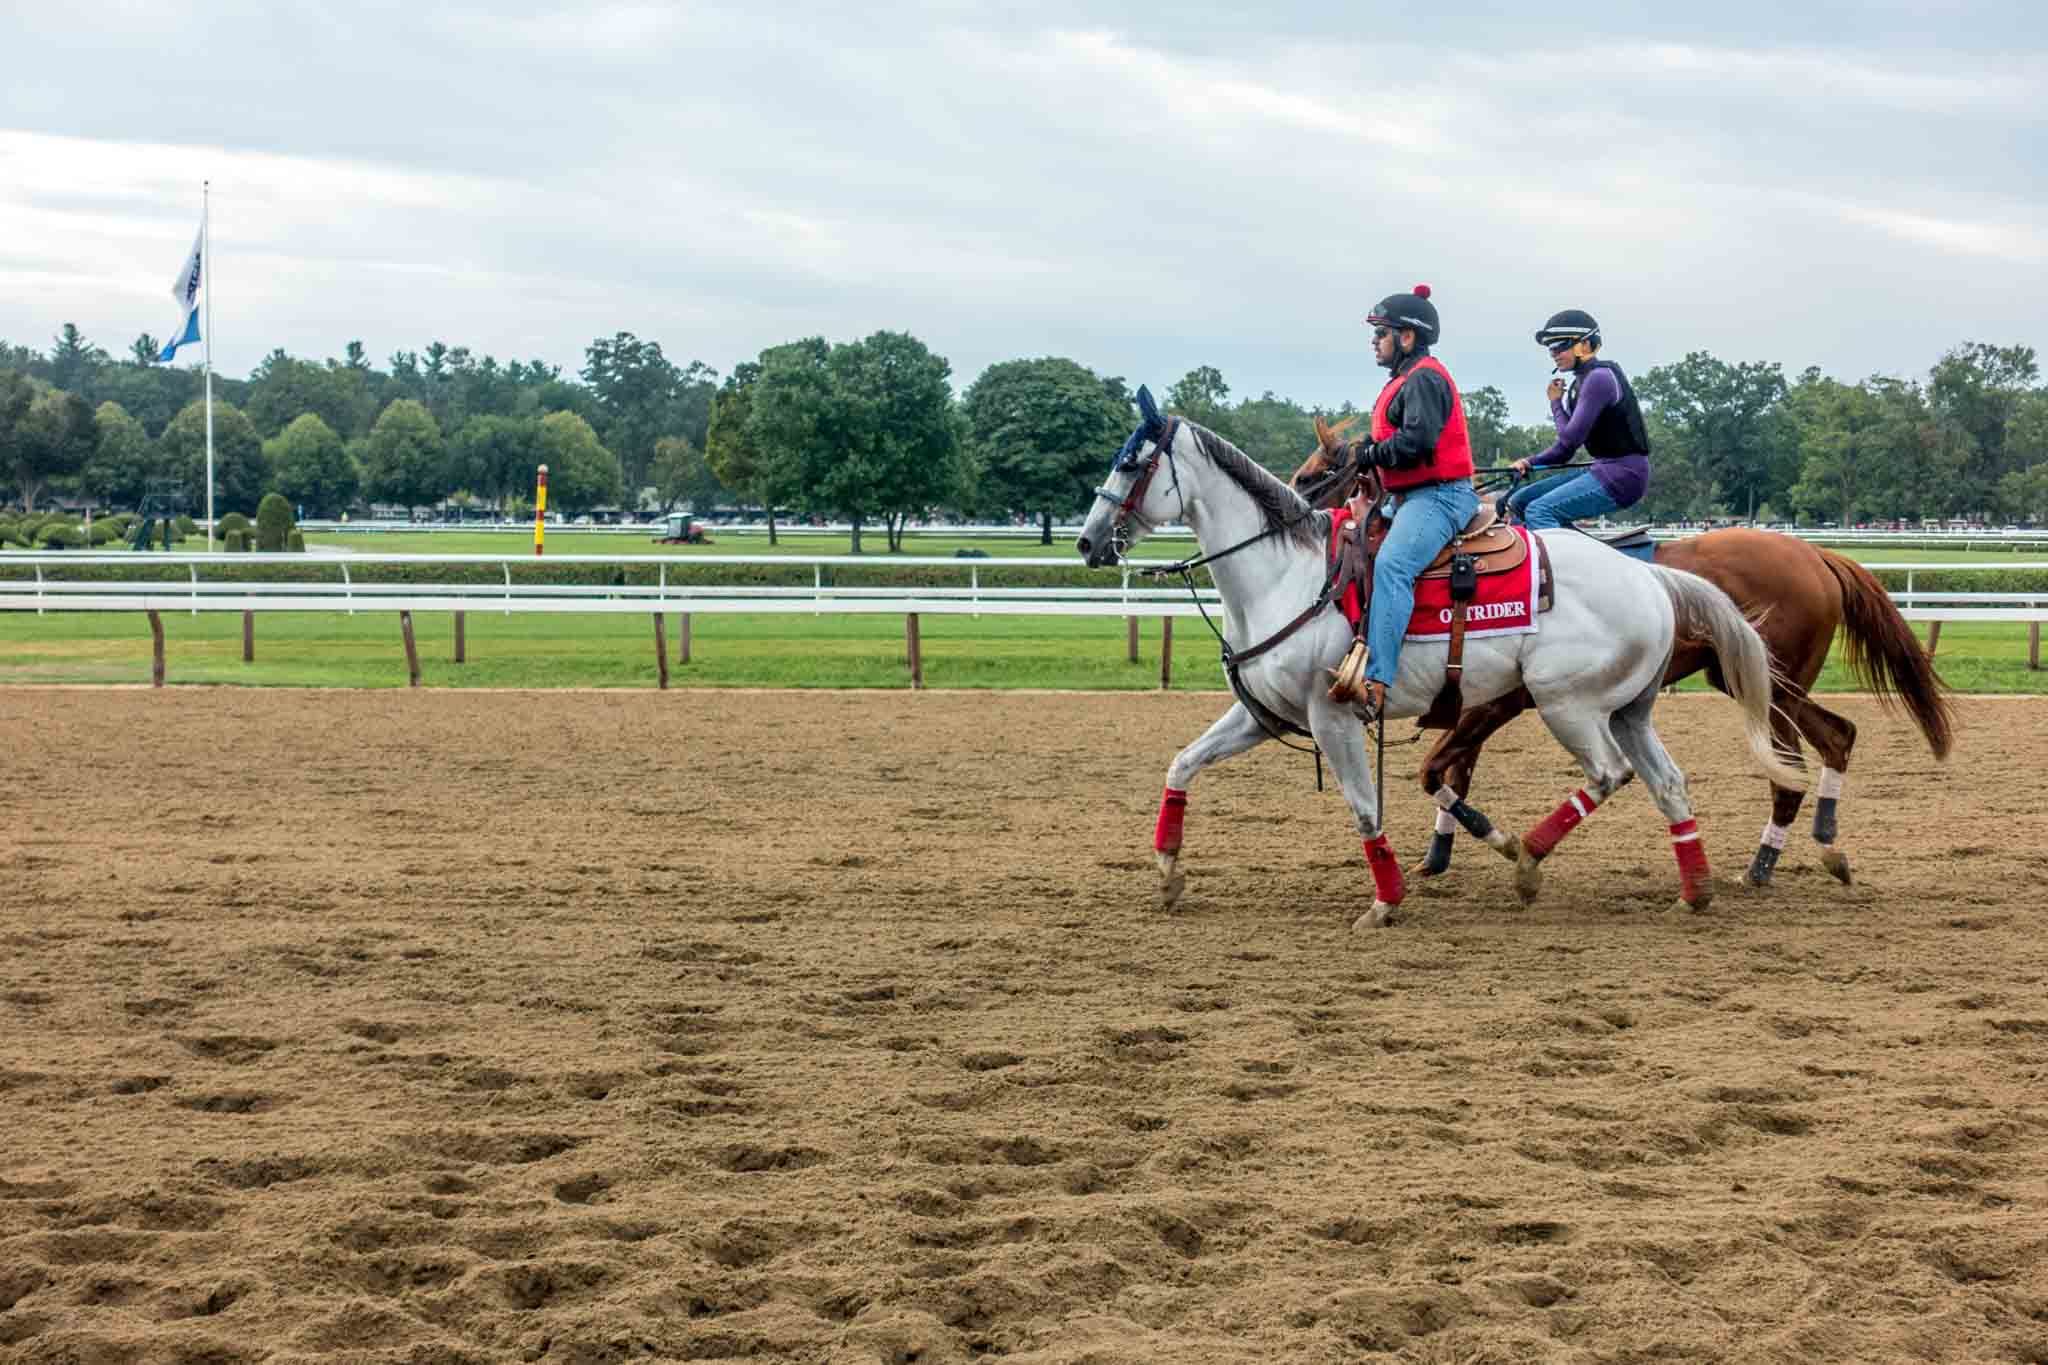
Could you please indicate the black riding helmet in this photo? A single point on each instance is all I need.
(1408, 310)
(1563, 329)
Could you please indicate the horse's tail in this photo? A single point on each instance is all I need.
(1707, 613)
(1885, 654)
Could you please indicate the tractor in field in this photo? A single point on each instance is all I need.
(683, 530)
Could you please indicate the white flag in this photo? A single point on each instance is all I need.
(185, 289)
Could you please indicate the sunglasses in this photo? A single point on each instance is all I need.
(1560, 347)
(1382, 333)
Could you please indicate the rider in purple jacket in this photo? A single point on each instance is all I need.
(1600, 413)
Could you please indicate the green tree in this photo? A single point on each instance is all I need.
(1730, 426)
(122, 460)
(1838, 426)
(240, 472)
(1042, 432)
(730, 451)
(1974, 392)
(582, 474)
(642, 396)
(790, 418)
(1201, 396)
(281, 388)
(17, 391)
(404, 457)
(1277, 432)
(1488, 425)
(899, 447)
(75, 362)
(681, 473)
(47, 442)
(311, 466)
(495, 456)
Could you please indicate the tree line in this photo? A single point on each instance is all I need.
(871, 432)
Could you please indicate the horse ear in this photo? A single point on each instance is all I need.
(1322, 432)
(1147, 409)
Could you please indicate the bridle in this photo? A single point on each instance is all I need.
(1127, 506)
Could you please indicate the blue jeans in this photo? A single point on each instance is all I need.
(1424, 523)
(1554, 503)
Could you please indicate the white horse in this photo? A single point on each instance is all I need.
(1594, 665)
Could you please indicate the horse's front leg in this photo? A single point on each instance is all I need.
(1342, 740)
(1234, 732)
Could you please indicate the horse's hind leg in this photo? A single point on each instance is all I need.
(1583, 729)
(1234, 732)
(1833, 737)
(1785, 801)
(1447, 780)
(1638, 739)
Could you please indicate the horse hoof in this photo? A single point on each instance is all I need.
(1437, 861)
(1379, 917)
(1508, 846)
(1528, 879)
(1760, 880)
(1837, 864)
(1171, 879)
(1698, 903)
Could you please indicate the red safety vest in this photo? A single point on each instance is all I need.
(1453, 457)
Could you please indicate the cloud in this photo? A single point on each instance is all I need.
(1143, 193)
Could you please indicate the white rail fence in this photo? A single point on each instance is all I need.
(38, 581)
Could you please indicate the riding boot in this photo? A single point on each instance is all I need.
(1375, 700)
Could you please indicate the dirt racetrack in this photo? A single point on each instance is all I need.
(445, 1026)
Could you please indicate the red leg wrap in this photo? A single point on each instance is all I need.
(1560, 822)
(1387, 885)
(1173, 809)
(1692, 859)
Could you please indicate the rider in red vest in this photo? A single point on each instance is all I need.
(1419, 443)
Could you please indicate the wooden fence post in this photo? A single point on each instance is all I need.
(682, 637)
(1165, 652)
(461, 651)
(156, 664)
(661, 647)
(2034, 645)
(916, 655)
(248, 637)
(412, 652)
(1933, 637)
(1131, 629)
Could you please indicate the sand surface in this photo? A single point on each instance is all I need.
(439, 1027)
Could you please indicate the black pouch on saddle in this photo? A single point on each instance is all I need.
(1464, 578)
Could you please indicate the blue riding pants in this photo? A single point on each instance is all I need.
(1424, 523)
(1554, 503)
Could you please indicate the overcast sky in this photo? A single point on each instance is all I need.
(1144, 189)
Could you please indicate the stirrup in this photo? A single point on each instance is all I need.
(1348, 678)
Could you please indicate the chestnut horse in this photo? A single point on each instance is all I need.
(1798, 596)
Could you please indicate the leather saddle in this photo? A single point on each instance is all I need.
(1485, 545)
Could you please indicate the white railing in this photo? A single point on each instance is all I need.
(1122, 594)
(45, 589)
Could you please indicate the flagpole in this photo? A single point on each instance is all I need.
(206, 278)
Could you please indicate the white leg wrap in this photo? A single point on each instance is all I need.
(1774, 836)
(1445, 824)
(1830, 783)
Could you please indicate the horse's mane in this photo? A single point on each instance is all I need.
(1280, 505)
